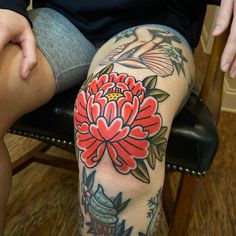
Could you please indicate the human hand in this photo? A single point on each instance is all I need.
(15, 28)
(228, 59)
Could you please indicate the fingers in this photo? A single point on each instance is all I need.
(28, 46)
(224, 17)
(226, 12)
(15, 28)
(230, 49)
(232, 72)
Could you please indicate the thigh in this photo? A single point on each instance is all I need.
(18, 96)
(151, 50)
(63, 55)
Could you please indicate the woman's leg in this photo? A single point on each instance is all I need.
(17, 97)
(123, 113)
(66, 55)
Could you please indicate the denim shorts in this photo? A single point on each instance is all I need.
(67, 50)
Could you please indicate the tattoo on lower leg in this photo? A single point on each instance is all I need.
(154, 204)
(102, 210)
(118, 115)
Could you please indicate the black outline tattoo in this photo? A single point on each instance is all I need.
(120, 114)
(103, 211)
(155, 53)
(154, 204)
(98, 111)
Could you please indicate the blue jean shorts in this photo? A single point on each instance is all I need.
(67, 50)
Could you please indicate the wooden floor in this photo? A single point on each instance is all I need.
(44, 199)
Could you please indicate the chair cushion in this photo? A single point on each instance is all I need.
(193, 138)
(192, 143)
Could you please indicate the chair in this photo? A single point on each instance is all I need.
(194, 129)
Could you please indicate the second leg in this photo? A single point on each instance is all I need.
(17, 97)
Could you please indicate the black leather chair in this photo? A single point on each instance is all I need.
(192, 144)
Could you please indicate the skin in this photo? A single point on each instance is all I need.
(16, 29)
(113, 178)
(26, 82)
(24, 37)
(22, 77)
(226, 14)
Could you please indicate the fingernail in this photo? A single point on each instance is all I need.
(216, 29)
(226, 66)
(233, 74)
(26, 74)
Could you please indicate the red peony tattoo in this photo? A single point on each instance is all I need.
(116, 114)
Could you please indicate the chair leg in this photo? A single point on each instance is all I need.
(187, 195)
(168, 199)
(28, 158)
(37, 154)
(56, 161)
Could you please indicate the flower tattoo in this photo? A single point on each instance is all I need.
(117, 114)
(117, 117)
